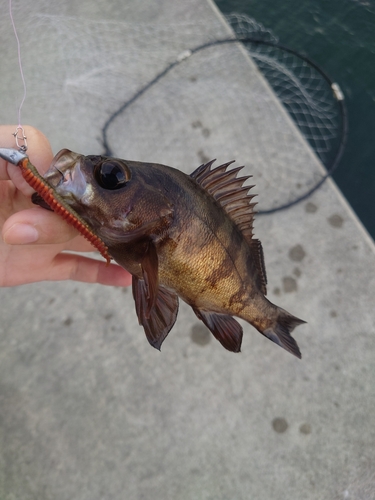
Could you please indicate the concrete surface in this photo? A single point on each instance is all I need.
(88, 410)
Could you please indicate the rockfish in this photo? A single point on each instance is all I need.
(187, 236)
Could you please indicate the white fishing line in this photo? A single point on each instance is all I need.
(19, 63)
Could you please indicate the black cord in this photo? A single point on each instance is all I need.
(341, 103)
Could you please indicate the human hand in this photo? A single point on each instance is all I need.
(33, 240)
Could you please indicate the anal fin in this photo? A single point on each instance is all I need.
(158, 320)
(224, 328)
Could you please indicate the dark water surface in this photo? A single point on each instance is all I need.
(338, 35)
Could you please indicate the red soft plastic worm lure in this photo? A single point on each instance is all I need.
(41, 186)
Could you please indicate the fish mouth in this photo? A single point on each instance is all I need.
(65, 176)
(38, 200)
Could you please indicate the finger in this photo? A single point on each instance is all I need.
(80, 244)
(41, 227)
(38, 226)
(61, 267)
(77, 268)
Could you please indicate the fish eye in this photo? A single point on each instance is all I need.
(110, 175)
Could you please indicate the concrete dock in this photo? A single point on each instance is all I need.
(88, 410)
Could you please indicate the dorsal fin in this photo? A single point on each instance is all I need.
(257, 249)
(229, 191)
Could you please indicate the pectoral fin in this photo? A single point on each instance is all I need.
(149, 266)
(224, 328)
(158, 320)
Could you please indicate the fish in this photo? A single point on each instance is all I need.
(187, 237)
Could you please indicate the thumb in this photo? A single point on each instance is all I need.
(37, 225)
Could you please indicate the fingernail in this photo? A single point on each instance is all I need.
(21, 234)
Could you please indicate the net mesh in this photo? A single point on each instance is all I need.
(299, 84)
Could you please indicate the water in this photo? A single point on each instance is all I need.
(339, 36)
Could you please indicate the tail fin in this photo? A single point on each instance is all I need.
(280, 332)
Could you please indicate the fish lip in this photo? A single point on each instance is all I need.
(72, 182)
(65, 175)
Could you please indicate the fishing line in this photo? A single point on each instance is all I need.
(21, 141)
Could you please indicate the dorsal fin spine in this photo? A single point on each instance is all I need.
(228, 196)
(203, 170)
(235, 183)
(218, 174)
